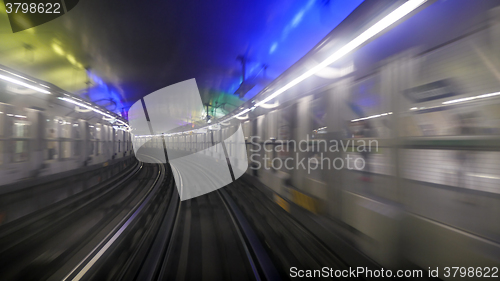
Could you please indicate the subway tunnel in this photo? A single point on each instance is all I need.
(249, 140)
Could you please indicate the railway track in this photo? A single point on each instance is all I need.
(47, 245)
(209, 240)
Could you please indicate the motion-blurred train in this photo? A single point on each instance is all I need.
(424, 97)
(44, 130)
(429, 192)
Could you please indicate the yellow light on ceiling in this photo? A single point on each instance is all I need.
(71, 59)
(57, 49)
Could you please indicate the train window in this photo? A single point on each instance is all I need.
(20, 151)
(98, 139)
(107, 138)
(270, 125)
(51, 128)
(65, 149)
(126, 138)
(77, 130)
(97, 147)
(77, 147)
(119, 139)
(51, 140)
(286, 119)
(91, 143)
(65, 129)
(366, 100)
(20, 132)
(77, 144)
(318, 120)
(105, 133)
(20, 129)
(52, 150)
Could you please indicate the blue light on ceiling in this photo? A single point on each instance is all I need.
(103, 94)
(273, 48)
(296, 28)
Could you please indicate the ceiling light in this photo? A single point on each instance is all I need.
(15, 81)
(369, 117)
(472, 98)
(243, 112)
(378, 27)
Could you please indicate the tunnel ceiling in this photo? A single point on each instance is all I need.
(128, 49)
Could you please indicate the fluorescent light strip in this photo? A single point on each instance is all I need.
(15, 81)
(94, 109)
(243, 112)
(17, 75)
(472, 98)
(86, 106)
(372, 116)
(388, 20)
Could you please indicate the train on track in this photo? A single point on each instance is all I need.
(45, 130)
(396, 145)
(419, 124)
